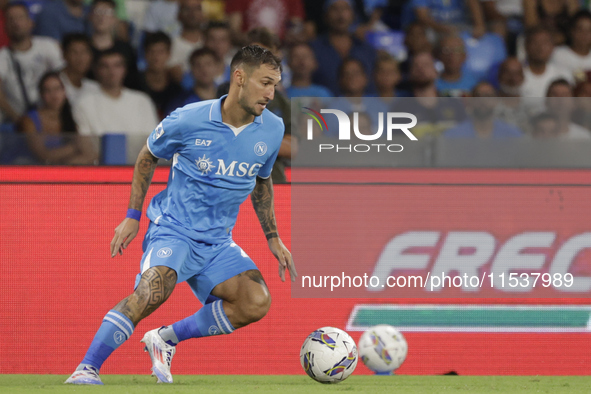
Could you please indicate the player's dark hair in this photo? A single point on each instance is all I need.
(72, 38)
(216, 25)
(108, 2)
(253, 56)
(263, 36)
(66, 116)
(158, 37)
(197, 53)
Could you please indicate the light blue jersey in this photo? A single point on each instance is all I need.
(213, 170)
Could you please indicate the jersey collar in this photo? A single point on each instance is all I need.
(215, 111)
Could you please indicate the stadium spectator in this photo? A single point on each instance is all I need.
(50, 130)
(511, 78)
(423, 75)
(303, 63)
(447, 16)
(263, 37)
(104, 21)
(482, 122)
(545, 126)
(275, 15)
(505, 18)
(582, 113)
(353, 78)
(218, 38)
(78, 57)
(162, 15)
(60, 17)
(23, 62)
(191, 18)
(415, 41)
(539, 71)
(511, 107)
(483, 55)
(386, 76)
(576, 57)
(434, 114)
(455, 80)
(338, 44)
(553, 15)
(204, 64)
(561, 104)
(115, 109)
(156, 81)
(3, 35)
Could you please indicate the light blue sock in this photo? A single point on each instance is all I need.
(115, 329)
(209, 320)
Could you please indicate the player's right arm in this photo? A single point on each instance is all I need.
(145, 166)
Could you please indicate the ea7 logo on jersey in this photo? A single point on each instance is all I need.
(201, 142)
(158, 132)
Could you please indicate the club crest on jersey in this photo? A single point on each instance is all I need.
(260, 148)
(204, 165)
(201, 142)
(164, 252)
(159, 131)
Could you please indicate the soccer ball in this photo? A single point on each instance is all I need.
(329, 355)
(382, 348)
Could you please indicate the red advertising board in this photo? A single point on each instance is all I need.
(59, 281)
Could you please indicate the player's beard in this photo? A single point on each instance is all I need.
(248, 108)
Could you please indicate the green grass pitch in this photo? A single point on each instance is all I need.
(247, 384)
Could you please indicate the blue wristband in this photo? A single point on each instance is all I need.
(134, 214)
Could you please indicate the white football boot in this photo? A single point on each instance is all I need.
(86, 375)
(161, 354)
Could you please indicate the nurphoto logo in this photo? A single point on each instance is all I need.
(344, 132)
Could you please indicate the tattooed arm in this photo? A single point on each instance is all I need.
(142, 177)
(262, 201)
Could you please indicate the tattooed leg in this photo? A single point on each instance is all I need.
(155, 286)
(246, 298)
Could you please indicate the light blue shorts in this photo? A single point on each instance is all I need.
(203, 266)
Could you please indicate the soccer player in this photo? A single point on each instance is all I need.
(222, 151)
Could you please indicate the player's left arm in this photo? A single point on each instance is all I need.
(262, 201)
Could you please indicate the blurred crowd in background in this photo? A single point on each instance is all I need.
(73, 68)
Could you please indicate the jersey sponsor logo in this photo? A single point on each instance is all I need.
(201, 142)
(158, 132)
(118, 337)
(237, 169)
(204, 165)
(260, 148)
(164, 252)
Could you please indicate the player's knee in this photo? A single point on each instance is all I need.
(256, 307)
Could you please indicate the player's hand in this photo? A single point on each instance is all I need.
(284, 257)
(124, 234)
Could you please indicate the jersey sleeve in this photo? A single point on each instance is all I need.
(267, 168)
(166, 139)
